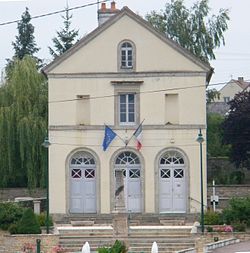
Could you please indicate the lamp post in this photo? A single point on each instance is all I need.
(46, 144)
(200, 139)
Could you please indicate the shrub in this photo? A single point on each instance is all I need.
(13, 229)
(29, 223)
(212, 218)
(237, 212)
(58, 249)
(239, 227)
(42, 219)
(118, 247)
(10, 213)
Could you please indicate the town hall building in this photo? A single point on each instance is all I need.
(126, 76)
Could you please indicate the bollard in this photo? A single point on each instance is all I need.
(38, 246)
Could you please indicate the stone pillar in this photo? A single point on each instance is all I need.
(120, 219)
(37, 206)
(119, 193)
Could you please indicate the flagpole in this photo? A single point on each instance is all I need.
(133, 133)
(117, 135)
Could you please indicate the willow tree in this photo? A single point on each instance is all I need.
(193, 28)
(23, 124)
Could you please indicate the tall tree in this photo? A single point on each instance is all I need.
(23, 125)
(66, 38)
(192, 28)
(237, 129)
(215, 146)
(25, 41)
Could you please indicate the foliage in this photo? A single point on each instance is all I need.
(118, 247)
(29, 223)
(236, 129)
(223, 228)
(238, 212)
(192, 28)
(58, 249)
(65, 38)
(239, 226)
(42, 219)
(10, 213)
(212, 218)
(212, 94)
(23, 125)
(25, 42)
(215, 145)
(13, 228)
(28, 248)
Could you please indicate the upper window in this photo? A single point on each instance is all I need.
(126, 55)
(127, 109)
(226, 99)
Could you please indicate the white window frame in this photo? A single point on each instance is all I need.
(127, 112)
(123, 87)
(126, 49)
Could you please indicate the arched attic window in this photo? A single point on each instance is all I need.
(126, 55)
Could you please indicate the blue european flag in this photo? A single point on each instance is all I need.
(108, 137)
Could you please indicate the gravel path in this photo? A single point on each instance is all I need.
(242, 247)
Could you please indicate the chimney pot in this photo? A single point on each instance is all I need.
(113, 6)
(103, 7)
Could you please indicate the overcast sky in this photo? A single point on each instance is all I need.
(233, 60)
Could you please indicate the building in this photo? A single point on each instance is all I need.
(121, 74)
(233, 87)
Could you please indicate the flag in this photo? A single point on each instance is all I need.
(138, 136)
(108, 137)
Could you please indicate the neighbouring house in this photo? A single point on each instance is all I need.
(220, 105)
(120, 75)
(233, 87)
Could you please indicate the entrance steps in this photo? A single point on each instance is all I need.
(170, 231)
(140, 238)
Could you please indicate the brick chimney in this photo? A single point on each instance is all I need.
(105, 13)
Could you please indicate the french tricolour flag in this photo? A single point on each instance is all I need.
(138, 136)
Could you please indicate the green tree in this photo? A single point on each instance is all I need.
(192, 28)
(25, 41)
(66, 38)
(215, 146)
(23, 125)
(212, 94)
(236, 129)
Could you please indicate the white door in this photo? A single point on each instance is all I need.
(133, 190)
(82, 184)
(130, 164)
(172, 185)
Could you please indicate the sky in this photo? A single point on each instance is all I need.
(232, 60)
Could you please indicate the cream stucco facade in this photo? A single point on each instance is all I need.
(168, 86)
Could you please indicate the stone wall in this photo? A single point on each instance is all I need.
(15, 243)
(12, 193)
(226, 192)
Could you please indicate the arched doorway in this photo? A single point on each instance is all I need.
(172, 183)
(130, 165)
(82, 183)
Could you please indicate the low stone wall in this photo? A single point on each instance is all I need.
(15, 243)
(226, 192)
(12, 193)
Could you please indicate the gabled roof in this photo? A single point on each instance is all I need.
(126, 11)
(240, 82)
(243, 84)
